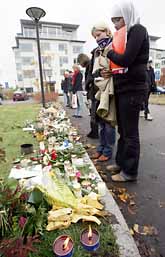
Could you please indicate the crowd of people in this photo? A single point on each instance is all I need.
(118, 81)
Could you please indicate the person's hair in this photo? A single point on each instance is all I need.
(76, 66)
(83, 59)
(101, 26)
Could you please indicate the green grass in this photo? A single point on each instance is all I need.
(108, 246)
(157, 99)
(12, 119)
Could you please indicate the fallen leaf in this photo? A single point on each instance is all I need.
(131, 211)
(145, 230)
(161, 204)
(132, 203)
(124, 197)
(131, 231)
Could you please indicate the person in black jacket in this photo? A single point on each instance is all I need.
(77, 89)
(130, 89)
(91, 89)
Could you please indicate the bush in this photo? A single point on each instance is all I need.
(49, 97)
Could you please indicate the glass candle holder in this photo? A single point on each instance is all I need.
(63, 246)
(90, 239)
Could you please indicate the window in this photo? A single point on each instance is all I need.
(29, 74)
(62, 72)
(30, 32)
(163, 62)
(29, 89)
(75, 60)
(45, 46)
(63, 48)
(19, 77)
(27, 60)
(158, 56)
(46, 59)
(26, 47)
(63, 60)
(18, 66)
(77, 49)
(157, 65)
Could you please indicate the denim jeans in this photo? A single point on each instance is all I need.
(66, 99)
(80, 103)
(107, 137)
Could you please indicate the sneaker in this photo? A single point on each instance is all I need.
(141, 114)
(149, 117)
(113, 168)
(121, 177)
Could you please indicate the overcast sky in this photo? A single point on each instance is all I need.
(84, 12)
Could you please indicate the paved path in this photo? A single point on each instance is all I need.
(149, 190)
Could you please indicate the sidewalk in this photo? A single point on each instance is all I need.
(125, 241)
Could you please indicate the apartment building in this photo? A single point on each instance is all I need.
(59, 50)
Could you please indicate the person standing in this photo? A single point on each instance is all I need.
(130, 89)
(77, 89)
(65, 84)
(151, 88)
(91, 89)
(107, 133)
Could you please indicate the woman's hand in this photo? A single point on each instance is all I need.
(106, 74)
(108, 48)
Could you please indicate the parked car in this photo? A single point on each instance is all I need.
(159, 90)
(1, 98)
(20, 96)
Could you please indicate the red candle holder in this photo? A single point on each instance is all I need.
(90, 239)
(63, 246)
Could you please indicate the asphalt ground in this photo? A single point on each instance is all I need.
(147, 206)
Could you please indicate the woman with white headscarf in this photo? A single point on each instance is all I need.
(130, 89)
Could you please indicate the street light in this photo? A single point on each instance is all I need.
(36, 13)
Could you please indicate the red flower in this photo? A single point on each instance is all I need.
(22, 221)
(53, 155)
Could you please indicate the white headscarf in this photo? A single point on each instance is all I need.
(126, 9)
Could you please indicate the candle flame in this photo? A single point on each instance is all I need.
(65, 244)
(90, 233)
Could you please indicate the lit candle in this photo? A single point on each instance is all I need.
(101, 187)
(90, 239)
(63, 246)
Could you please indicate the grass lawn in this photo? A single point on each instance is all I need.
(157, 99)
(12, 119)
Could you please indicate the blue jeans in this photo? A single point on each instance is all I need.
(80, 103)
(107, 137)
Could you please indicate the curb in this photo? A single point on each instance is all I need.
(125, 241)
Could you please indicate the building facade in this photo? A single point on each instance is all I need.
(158, 58)
(59, 50)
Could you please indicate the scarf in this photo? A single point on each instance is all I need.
(74, 76)
(104, 42)
(125, 9)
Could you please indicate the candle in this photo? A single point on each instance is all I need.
(63, 246)
(101, 187)
(90, 239)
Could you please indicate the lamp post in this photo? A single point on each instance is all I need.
(36, 13)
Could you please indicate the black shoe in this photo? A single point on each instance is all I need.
(75, 116)
(92, 135)
(78, 116)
